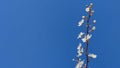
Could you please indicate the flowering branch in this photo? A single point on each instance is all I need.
(83, 56)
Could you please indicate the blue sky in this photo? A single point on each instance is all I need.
(42, 33)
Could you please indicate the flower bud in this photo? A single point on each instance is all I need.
(93, 28)
(83, 17)
(94, 21)
(92, 56)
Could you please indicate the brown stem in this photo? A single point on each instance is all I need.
(87, 42)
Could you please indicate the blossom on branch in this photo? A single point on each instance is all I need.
(79, 64)
(80, 50)
(80, 23)
(92, 56)
(80, 35)
(86, 38)
(83, 17)
(83, 57)
(87, 9)
(93, 28)
(94, 21)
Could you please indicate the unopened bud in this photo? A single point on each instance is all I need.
(83, 17)
(91, 4)
(94, 21)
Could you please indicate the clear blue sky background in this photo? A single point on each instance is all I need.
(42, 33)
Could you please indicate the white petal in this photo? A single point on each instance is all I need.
(92, 55)
(94, 21)
(79, 64)
(80, 22)
(89, 36)
(80, 35)
(91, 4)
(80, 52)
(86, 38)
(79, 46)
(83, 17)
(93, 28)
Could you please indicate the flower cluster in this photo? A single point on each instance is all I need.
(83, 56)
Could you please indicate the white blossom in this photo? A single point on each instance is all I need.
(79, 46)
(91, 4)
(83, 17)
(87, 9)
(94, 21)
(80, 50)
(86, 38)
(81, 22)
(79, 64)
(92, 55)
(93, 28)
(80, 35)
